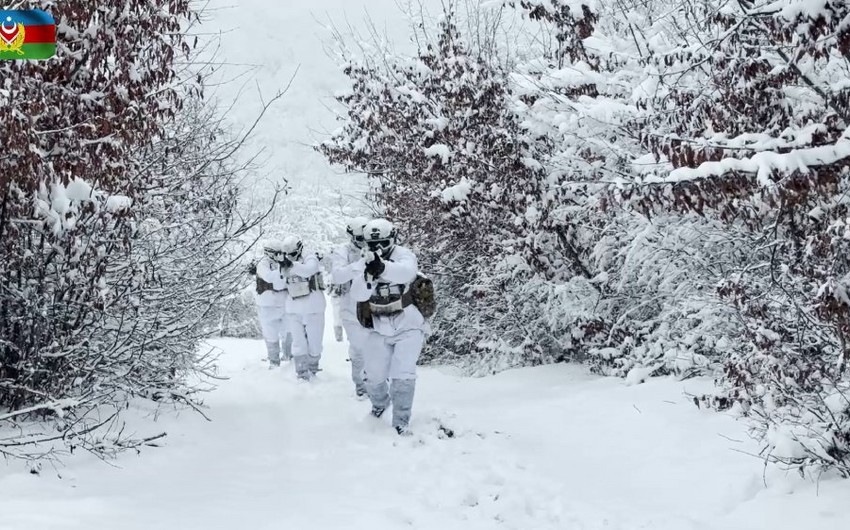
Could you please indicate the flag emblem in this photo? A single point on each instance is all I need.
(27, 34)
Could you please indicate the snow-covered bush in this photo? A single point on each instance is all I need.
(748, 124)
(118, 229)
(498, 168)
(452, 166)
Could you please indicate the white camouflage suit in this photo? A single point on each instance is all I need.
(305, 315)
(271, 309)
(346, 266)
(395, 342)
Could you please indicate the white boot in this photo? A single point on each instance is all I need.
(273, 349)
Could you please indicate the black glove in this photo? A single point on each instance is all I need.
(252, 268)
(375, 267)
(286, 263)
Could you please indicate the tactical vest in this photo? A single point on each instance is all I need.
(420, 294)
(341, 289)
(302, 287)
(389, 300)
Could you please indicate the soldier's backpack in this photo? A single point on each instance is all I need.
(424, 298)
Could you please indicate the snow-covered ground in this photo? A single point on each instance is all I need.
(543, 448)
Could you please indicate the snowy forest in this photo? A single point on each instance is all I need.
(638, 190)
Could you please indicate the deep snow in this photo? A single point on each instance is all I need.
(542, 448)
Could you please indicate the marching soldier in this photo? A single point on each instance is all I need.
(398, 327)
(346, 265)
(271, 302)
(305, 306)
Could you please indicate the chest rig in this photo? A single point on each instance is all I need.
(390, 299)
(300, 287)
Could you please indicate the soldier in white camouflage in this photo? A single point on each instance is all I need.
(346, 265)
(305, 306)
(398, 328)
(271, 302)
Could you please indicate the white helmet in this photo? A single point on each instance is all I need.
(274, 249)
(292, 247)
(380, 236)
(354, 229)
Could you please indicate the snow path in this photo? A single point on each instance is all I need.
(543, 448)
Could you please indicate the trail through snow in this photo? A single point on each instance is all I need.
(543, 448)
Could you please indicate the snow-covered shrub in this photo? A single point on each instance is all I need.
(498, 167)
(663, 313)
(748, 124)
(118, 229)
(237, 316)
(452, 166)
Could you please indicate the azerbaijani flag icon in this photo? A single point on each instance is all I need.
(27, 34)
